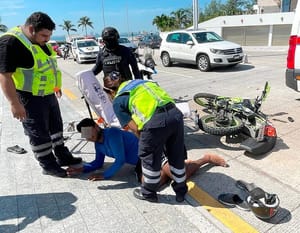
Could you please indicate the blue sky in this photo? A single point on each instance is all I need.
(125, 15)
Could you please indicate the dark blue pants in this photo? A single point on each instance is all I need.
(163, 133)
(43, 125)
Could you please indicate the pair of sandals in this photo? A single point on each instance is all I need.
(234, 200)
(16, 149)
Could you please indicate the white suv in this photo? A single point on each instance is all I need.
(292, 73)
(85, 50)
(204, 48)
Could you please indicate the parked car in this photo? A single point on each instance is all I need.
(152, 41)
(85, 50)
(125, 42)
(292, 73)
(204, 48)
(55, 47)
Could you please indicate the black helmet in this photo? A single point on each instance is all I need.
(263, 204)
(110, 37)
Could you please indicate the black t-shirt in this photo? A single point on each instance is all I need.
(13, 54)
(121, 58)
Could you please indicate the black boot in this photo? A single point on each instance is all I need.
(64, 156)
(50, 166)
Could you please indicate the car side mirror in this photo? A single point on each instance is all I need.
(190, 43)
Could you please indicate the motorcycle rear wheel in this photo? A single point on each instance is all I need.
(205, 99)
(210, 125)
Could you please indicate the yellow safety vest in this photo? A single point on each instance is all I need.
(144, 98)
(43, 78)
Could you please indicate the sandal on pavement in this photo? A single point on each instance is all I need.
(248, 187)
(16, 149)
(233, 200)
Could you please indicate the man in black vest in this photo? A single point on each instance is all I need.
(115, 57)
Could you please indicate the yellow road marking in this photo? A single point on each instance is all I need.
(69, 94)
(215, 208)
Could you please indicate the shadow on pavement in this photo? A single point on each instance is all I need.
(27, 208)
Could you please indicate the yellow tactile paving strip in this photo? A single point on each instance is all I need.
(215, 208)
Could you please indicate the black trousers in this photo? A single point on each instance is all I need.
(43, 125)
(163, 133)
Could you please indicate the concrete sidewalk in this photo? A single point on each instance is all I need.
(32, 202)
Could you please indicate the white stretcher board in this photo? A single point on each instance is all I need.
(101, 104)
(96, 97)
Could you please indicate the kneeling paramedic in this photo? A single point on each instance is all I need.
(147, 110)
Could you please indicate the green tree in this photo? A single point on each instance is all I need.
(180, 18)
(3, 28)
(233, 7)
(68, 26)
(163, 22)
(84, 22)
(212, 10)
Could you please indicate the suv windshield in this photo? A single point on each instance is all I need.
(204, 37)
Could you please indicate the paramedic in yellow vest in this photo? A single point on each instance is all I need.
(31, 82)
(147, 110)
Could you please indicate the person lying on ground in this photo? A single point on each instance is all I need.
(123, 147)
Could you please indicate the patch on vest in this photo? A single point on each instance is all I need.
(111, 63)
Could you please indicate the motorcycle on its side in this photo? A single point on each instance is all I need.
(235, 117)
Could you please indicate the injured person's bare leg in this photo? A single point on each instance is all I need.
(192, 166)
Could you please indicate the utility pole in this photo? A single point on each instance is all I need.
(127, 19)
(103, 18)
(195, 14)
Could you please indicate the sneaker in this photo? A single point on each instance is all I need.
(54, 171)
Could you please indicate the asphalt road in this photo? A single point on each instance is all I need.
(276, 172)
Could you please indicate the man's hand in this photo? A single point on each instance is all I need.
(95, 177)
(58, 93)
(71, 171)
(18, 111)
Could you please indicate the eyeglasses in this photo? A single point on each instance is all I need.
(115, 75)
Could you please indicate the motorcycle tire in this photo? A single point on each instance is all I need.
(205, 99)
(209, 125)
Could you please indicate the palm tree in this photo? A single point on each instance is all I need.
(180, 18)
(68, 26)
(3, 28)
(163, 22)
(84, 22)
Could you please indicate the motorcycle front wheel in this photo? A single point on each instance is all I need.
(205, 99)
(210, 125)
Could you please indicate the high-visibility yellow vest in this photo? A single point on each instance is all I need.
(144, 98)
(43, 78)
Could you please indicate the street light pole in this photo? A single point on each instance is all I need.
(195, 14)
(103, 18)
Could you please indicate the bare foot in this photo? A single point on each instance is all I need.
(215, 160)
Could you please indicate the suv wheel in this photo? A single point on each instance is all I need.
(165, 59)
(203, 63)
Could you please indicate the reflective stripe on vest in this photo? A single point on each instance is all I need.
(144, 98)
(44, 77)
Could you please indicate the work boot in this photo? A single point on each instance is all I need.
(137, 193)
(50, 166)
(54, 170)
(64, 156)
(180, 190)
